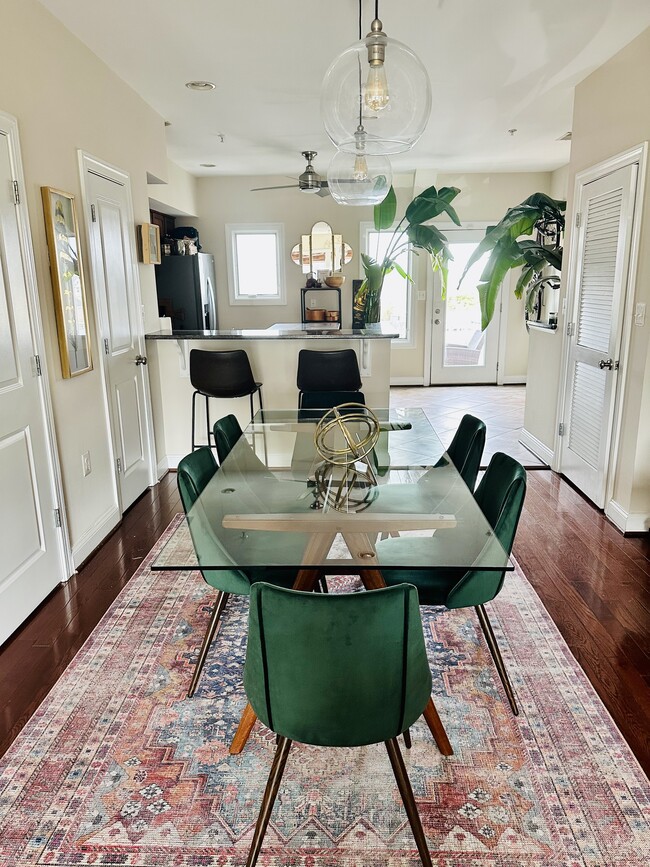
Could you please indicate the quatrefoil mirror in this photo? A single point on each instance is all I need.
(321, 250)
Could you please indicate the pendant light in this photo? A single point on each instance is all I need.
(380, 85)
(359, 178)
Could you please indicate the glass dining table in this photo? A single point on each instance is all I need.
(270, 505)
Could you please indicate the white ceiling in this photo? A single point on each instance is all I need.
(494, 65)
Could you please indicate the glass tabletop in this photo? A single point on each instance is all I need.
(275, 502)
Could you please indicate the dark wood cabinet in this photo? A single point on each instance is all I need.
(165, 222)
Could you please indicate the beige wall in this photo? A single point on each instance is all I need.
(611, 115)
(64, 99)
(228, 200)
(178, 195)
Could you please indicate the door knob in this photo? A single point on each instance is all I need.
(606, 363)
(141, 359)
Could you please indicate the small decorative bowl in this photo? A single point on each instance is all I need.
(335, 280)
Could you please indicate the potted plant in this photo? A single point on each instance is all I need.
(539, 213)
(411, 230)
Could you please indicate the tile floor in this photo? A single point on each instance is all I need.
(500, 407)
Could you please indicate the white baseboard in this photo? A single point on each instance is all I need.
(513, 380)
(162, 467)
(172, 461)
(407, 380)
(627, 522)
(95, 535)
(536, 446)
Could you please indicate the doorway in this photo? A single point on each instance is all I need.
(109, 214)
(600, 287)
(462, 354)
(32, 534)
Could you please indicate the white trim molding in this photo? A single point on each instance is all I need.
(95, 535)
(232, 231)
(513, 380)
(536, 446)
(407, 380)
(627, 522)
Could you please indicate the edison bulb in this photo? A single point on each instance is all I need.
(377, 96)
(360, 171)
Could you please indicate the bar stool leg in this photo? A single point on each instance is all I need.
(194, 419)
(207, 418)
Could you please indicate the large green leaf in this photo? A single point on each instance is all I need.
(426, 237)
(508, 255)
(385, 211)
(429, 204)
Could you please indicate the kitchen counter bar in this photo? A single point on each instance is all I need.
(273, 354)
(282, 331)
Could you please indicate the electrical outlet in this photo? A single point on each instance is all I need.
(312, 303)
(85, 463)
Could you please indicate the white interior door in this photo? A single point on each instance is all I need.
(31, 564)
(461, 353)
(599, 280)
(121, 328)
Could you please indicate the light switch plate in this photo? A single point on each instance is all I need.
(639, 314)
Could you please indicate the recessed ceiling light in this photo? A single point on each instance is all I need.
(200, 85)
(208, 165)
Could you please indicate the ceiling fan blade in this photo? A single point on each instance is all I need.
(287, 187)
(323, 190)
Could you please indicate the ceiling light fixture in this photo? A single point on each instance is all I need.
(377, 87)
(200, 85)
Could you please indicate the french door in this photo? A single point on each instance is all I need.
(462, 354)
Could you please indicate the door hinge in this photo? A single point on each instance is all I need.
(118, 465)
(560, 429)
(570, 329)
(37, 362)
(16, 193)
(93, 214)
(578, 219)
(57, 517)
(106, 349)
(497, 366)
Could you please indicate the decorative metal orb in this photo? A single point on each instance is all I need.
(346, 434)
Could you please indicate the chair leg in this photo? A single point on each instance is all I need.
(405, 790)
(493, 647)
(207, 418)
(406, 734)
(270, 794)
(217, 611)
(194, 420)
(323, 585)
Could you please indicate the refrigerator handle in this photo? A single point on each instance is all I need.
(210, 312)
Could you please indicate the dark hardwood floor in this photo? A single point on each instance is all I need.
(594, 582)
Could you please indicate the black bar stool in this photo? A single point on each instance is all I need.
(223, 374)
(327, 378)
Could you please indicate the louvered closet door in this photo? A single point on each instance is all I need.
(603, 251)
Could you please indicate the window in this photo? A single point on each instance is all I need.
(397, 294)
(255, 267)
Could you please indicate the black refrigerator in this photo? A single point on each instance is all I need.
(187, 291)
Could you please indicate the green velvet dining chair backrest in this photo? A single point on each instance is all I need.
(193, 474)
(336, 669)
(500, 494)
(466, 448)
(227, 431)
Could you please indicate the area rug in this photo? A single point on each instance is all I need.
(119, 767)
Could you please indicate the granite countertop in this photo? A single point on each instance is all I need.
(281, 331)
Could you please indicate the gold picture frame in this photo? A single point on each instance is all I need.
(66, 270)
(150, 243)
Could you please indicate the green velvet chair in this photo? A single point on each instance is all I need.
(500, 495)
(226, 432)
(194, 472)
(466, 448)
(342, 670)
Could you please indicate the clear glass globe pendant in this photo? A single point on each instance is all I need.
(359, 178)
(379, 84)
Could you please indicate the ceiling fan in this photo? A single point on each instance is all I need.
(308, 182)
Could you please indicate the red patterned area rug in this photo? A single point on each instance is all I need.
(119, 767)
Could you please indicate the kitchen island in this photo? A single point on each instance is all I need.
(273, 354)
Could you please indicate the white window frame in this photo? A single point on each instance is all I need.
(234, 229)
(365, 230)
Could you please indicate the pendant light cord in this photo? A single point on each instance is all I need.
(359, 65)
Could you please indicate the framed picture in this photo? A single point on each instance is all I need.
(67, 281)
(150, 242)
